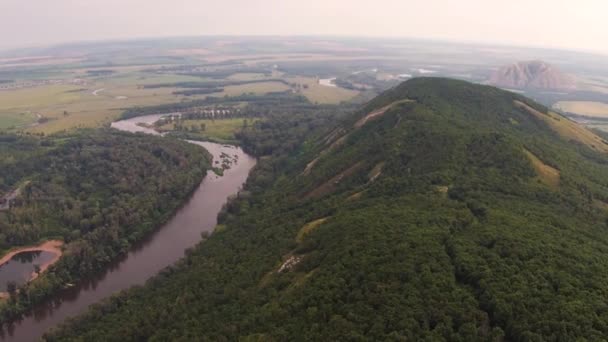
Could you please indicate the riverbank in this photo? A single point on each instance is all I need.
(51, 246)
(182, 229)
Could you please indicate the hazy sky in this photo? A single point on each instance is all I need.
(580, 24)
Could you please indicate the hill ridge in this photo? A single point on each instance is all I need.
(445, 230)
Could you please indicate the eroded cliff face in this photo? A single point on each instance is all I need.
(532, 75)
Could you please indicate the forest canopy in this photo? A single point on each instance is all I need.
(97, 190)
(431, 219)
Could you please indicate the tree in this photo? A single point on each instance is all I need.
(11, 288)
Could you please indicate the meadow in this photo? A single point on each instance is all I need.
(221, 130)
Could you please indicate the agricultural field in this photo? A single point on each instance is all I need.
(97, 101)
(91, 90)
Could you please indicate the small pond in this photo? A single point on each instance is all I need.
(21, 266)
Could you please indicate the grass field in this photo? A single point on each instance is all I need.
(16, 120)
(587, 108)
(217, 130)
(85, 106)
(317, 93)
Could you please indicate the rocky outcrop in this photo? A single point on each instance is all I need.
(532, 75)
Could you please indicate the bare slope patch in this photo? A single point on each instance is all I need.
(308, 228)
(378, 112)
(547, 174)
(375, 172)
(331, 185)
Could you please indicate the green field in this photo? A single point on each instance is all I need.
(75, 106)
(13, 121)
(216, 130)
(317, 93)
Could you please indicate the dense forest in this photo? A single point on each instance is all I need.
(97, 190)
(441, 210)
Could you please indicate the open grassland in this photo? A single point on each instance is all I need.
(587, 108)
(317, 93)
(73, 106)
(217, 130)
(27, 98)
(10, 121)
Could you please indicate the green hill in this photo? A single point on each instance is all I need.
(442, 210)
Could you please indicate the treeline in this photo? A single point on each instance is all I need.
(100, 72)
(270, 99)
(99, 191)
(212, 84)
(183, 68)
(457, 238)
(201, 91)
(363, 81)
(222, 74)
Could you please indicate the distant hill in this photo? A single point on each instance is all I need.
(536, 75)
(440, 211)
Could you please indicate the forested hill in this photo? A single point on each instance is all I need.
(442, 210)
(99, 191)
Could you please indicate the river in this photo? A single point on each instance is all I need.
(148, 257)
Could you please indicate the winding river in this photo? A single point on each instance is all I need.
(148, 257)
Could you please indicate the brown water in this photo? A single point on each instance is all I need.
(147, 258)
(21, 266)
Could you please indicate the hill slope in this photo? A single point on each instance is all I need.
(536, 75)
(442, 210)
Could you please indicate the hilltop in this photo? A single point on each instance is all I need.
(441, 210)
(537, 75)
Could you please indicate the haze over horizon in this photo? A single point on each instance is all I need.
(542, 23)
